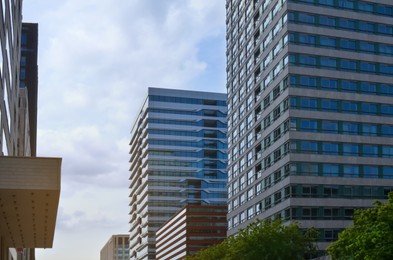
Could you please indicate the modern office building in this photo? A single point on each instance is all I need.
(193, 228)
(310, 110)
(117, 248)
(29, 186)
(178, 157)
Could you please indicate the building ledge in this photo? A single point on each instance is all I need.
(29, 198)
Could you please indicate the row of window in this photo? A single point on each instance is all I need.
(363, 87)
(203, 112)
(341, 44)
(202, 174)
(349, 107)
(339, 191)
(330, 63)
(353, 5)
(346, 149)
(341, 23)
(213, 144)
(209, 102)
(340, 127)
(307, 191)
(209, 164)
(309, 169)
(202, 122)
(341, 170)
(203, 153)
(298, 213)
(202, 133)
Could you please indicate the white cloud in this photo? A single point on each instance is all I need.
(96, 60)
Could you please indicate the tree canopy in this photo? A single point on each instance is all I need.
(370, 237)
(263, 239)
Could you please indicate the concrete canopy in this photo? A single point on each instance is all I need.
(29, 198)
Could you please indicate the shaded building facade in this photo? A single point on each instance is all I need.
(193, 228)
(29, 77)
(310, 106)
(178, 157)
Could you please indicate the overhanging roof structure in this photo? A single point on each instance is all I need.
(29, 198)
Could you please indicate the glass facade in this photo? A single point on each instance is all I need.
(310, 110)
(178, 157)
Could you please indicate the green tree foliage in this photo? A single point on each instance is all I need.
(270, 240)
(370, 237)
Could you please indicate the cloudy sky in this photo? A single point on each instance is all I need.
(96, 60)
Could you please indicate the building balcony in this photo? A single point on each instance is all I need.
(29, 198)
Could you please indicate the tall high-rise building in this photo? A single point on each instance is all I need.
(310, 110)
(178, 157)
(29, 186)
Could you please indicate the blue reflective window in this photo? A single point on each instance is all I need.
(327, 2)
(328, 63)
(309, 125)
(386, 89)
(330, 126)
(368, 87)
(329, 105)
(348, 4)
(387, 130)
(348, 44)
(351, 149)
(348, 65)
(329, 83)
(387, 172)
(386, 49)
(351, 171)
(386, 110)
(385, 10)
(369, 129)
(308, 81)
(347, 24)
(309, 103)
(330, 170)
(350, 128)
(327, 42)
(307, 146)
(385, 29)
(370, 171)
(349, 107)
(366, 27)
(327, 21)
(386, 69)
(306, 18)
(387, 151)
(368, 108)
(307, 60)
(307, 39)
(370, 150)
(365, 7)
(330, 148)
(367, 66)
(367, 46)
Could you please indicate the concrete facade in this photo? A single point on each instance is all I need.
(117, 248)
(309, 110)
